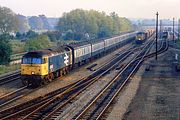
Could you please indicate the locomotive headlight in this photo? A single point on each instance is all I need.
(32, 73)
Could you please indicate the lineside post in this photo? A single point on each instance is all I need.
(156, 32)
(173, 31)
(178, 28)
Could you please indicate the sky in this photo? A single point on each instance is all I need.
(125, 8)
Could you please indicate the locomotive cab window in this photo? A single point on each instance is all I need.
(26, 61)
(32, 61)
(36, 60)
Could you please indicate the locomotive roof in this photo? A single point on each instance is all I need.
(78, 44)
(141, 32)
(44, 52)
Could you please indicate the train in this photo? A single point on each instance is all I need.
(141, 36)
(164, 35)
(43, 66)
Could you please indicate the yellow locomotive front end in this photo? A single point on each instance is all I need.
(33, 69)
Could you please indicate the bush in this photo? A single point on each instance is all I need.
(17, 46)
(53, 35)
(39, 42)
(5, 49)
(8, 68)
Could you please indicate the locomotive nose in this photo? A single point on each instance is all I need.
(31, 70)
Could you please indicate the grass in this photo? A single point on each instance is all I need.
(8, 68)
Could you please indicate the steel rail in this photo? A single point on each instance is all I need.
(14, 107)
(79, 116)
(3, 99)
(143, 58)
(92, 80)
(9, 77)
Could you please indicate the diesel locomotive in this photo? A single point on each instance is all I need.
(43, 66)
(143, 35)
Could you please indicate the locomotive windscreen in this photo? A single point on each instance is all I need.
(32, 60)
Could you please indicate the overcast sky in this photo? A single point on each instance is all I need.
(125, 8)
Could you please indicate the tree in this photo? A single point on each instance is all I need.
(19, 35)
(39, 42)
(125, 24)
(77, 24)
(5, 49)
(8, 20)
(23, 25)
(31, 34)
(35, 23)
(116, 22)
(53, 35)
(45, 22)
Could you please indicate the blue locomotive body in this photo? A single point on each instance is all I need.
(59, 60)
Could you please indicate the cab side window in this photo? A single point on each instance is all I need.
(45, 60)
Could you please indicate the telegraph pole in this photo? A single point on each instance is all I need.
(173, 30)
(160, 29)
(178, 28)
(156, 32)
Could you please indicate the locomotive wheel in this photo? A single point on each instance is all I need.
(61, 73)
(51, 77)
(25, 82)
(35, 84)
(67, 70)
(56, 74)
(46, 80)
(64, 71)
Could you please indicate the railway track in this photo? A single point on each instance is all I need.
(20, 110)
(10, 77)
(60, 102)
(93, 109)
(34, 106)
(45, 111)
(12, 96)
(96, 108)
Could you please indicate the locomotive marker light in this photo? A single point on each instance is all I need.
(66, 59)
(156, 31)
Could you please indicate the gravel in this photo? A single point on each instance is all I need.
(151, 95)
